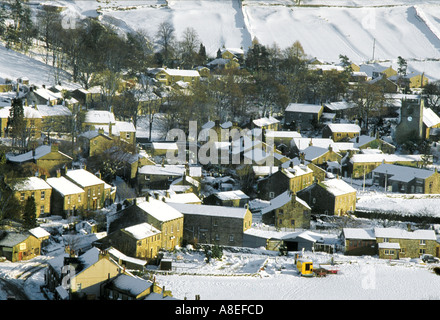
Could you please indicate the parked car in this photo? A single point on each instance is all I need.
(429, 258)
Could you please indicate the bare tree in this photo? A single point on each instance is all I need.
(165, 38)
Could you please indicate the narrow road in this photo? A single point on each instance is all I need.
(12, 289)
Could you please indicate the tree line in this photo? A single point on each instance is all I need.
(269, 77)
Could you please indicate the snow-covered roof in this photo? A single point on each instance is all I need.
(312, 152)
(359, 233)
(303, 143)
(167, 170)
(296, 171)
(337, 187)
(125, 126)
(132, 285)
(181, 72)
(120, 256)
(403, 173)
(39, 152)
(64, 186)
(281, 200)
(339, 105)
(231, 195)
(142, 231)
(430, 118)
(303, 107)
(385, 157)
(83, 177)
(283, 134)
(396, 233)
(47, 94)
(233, 50)
(53, 111)
(266, 121)
(389, 245)
(164, 146)
(208, 210)
(160, 210)
(39, 232)
(344, 127)
(326, 67)
(30, 183)
(100, 117)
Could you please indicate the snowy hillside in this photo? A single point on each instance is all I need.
(326, 29)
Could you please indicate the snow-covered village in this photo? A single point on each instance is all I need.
(220, 150)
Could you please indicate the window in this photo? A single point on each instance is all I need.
(127, 136)
(422, 242)
(43, 195)
(231, 238)
(22, 196)
(280, 221)
(271, 195)
(42, 209)
(292, 222)
(386, 239)
(422, 251)
(217, 237)
(389, 252)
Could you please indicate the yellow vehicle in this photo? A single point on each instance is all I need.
(305, 267)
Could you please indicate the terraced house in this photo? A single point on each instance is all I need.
(403, 179)
(333, 197)
(97, 192)
(390, 243)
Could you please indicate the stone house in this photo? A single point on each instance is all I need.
(15, 246)
(368, 142)
(395, 178)
(294, 178)
(287, 211)
(45, 156)
(363, 164)
(320, 156)
(86, 274)
(127, 287)
(141, 241)
(57, 118)
(300, 116)
(358, 241)
(332, 197)
(35, 187)
(170, 76)
(214, 224)
(97, 192)
(164, 217)
(234, 198)
(394, 243)
(67, 197)
(94, 142)
(341, 131)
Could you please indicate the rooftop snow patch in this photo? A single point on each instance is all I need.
(160, 210)
(337, 187)
(64, 186)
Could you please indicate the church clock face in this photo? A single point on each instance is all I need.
(409, 118)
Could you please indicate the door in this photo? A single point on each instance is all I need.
(20, 256)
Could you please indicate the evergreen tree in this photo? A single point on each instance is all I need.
(16, 124)
(29, 213)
